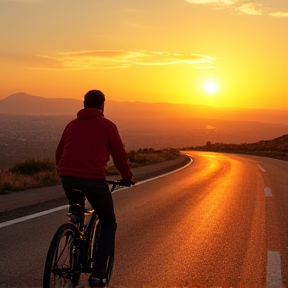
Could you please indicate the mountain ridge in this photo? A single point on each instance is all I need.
(22, 103)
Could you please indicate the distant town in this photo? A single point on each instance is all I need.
(23, 137)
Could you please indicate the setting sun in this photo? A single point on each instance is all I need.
(210, 87)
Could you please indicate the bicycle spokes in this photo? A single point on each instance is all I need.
(63, 270)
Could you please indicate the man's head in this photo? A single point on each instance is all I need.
(94, 99)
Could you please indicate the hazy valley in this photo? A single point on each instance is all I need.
(141, 125)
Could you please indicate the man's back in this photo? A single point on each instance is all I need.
(86, 145)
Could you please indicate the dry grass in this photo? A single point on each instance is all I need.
(143, 157)
(18, 181)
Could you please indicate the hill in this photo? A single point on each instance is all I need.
(275, 148)
(25, 104)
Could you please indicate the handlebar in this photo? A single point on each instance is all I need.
(119, 183)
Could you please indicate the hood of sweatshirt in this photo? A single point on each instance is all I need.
(89, 113)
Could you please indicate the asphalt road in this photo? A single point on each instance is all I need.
(221, 222)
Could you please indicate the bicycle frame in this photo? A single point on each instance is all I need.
(65, 263)
(79, 216)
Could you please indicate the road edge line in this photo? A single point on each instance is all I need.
(46, 212)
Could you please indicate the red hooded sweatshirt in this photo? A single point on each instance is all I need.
(86, 144)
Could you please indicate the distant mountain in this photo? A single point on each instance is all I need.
(25, 104)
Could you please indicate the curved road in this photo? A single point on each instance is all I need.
(221, 222)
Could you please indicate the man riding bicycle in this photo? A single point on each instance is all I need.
(81, 157)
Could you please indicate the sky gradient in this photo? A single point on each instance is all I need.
(147, 50)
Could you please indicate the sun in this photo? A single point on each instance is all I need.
(210, 87)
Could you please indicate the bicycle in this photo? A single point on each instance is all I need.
(72, 248)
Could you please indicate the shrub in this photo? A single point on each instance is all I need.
(42, 172)
(47, 178)
(33, 166)
(14, 182)
(149, 156)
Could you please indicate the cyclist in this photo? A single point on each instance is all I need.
(81, 157)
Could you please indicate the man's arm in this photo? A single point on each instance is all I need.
(119, 155)
(59, 150)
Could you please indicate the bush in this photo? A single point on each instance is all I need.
(149, 156)
(145, 156)
(47, 178)
(33, 166)
(34, 173)
(15, 182)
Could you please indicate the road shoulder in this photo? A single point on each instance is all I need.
(13, 204)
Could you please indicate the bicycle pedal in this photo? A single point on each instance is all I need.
(97, 282)
(88, 211)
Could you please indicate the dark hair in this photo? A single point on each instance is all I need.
(94, 99)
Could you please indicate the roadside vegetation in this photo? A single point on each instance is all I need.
(276, 148)
(36, 173)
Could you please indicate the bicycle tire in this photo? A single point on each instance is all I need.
(89, 238)
(110, 264)
(62, 267)
(110, 260)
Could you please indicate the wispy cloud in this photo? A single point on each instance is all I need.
(279, 14)
(131, 10)
(275, 8)
(23, 1)
(108, 59)
(218, 2)
(250, 9)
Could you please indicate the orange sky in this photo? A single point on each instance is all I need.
(147, 50)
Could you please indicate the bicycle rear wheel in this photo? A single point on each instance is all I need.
(110, 260)
(110, 263)
(62, 268)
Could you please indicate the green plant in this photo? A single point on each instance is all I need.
(32, 166)
(47, 178)
(34, 173)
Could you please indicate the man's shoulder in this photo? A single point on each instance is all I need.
(106, 120)
(103, 120)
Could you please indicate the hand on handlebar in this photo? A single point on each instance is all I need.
(126, 182)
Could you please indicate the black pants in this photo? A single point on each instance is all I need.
(99, 196)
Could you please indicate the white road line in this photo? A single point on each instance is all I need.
(274, 276)
(162, 175)
(268, 192)
(28, 217)
(32, 216)
(261, 168)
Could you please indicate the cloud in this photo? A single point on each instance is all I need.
(279, 14)
(218, 2)
(23, 1)
(275, 8)
(108, 59)
(250, 9)
(131, 10)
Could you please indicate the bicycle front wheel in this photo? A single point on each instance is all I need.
(62, 267)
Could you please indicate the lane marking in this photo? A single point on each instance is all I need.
(268, 192)
(274, 276)
(28, 217)
(261, 168)
(32, 216)
(160, 176)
